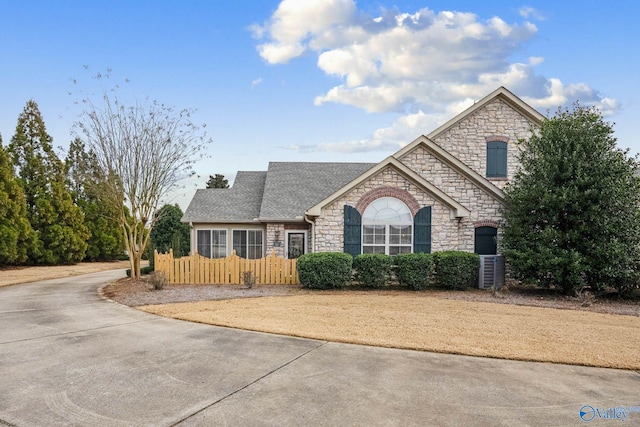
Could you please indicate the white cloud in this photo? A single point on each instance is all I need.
(256, 82)
(426, 61)
(528, 12)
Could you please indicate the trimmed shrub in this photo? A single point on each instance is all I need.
(456, 270)
(324, 270)
(415, 270)
(373, 270)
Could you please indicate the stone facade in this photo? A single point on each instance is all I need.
(445, 231)
(450, 174)
(496, 121)
(275, 239)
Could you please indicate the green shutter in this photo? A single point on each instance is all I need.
(496, 159)
(352, 231)
(486, 241)
(422, 231)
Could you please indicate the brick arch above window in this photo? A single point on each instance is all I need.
(486, 223)
(500, 138)
(400, 194)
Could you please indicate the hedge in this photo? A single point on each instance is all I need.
(324, 270)
(456, 270)
(373, 270)
(415, 270)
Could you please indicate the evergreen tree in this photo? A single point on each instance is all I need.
(17, 238)
(57, 221)
(573, 215)
(217, 181)
(106, 241)
(169, 232)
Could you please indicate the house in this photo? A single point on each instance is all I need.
(442, 191)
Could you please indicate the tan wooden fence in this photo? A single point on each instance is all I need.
(197, 269)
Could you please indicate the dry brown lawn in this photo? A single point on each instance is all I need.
(14, 275)
(413, 321)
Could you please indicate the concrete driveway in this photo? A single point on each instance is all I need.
(68, 357)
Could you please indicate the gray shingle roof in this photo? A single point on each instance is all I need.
(292, 188)
(284, 192)
(240, 203)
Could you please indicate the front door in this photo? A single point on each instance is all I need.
(296, 244)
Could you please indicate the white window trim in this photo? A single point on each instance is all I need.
(387, 236)
(286, 240)
(226, 246)
(387, 226)
(230, 244)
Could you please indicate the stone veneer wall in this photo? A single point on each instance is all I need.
(445, 232)
(496, 121)
(272, 241)
(483, 207)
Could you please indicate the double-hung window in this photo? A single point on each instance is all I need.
(387, 227)
(212, 243)
(248, 243)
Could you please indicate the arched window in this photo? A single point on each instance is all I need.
(387, 227)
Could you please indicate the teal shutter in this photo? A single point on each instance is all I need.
(486, 241)
(352, 231)
(496, 159)
(422, 231)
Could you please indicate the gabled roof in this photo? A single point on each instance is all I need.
(454, 163)
(501, 93)
(291, 188)
(240, 203)
(457, 210)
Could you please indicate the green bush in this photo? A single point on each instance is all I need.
(415, 270)
(373, 270)
(324, 270)
(456, 270)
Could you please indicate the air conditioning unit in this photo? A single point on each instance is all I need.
(491, 273)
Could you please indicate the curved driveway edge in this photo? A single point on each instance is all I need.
(69, 357)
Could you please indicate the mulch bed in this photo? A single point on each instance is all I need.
(139, 293)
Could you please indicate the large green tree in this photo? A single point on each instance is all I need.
(169, 232)
(17, 238)
(573, 209)
(106, 241)
(58, 222)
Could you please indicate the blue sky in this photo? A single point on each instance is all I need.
(331, 80)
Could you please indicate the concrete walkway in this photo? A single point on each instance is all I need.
(67, 357)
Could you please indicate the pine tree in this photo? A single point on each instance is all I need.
(217, 181)
(106, 242)
(58, 222)
(17, 238)
(573, 215)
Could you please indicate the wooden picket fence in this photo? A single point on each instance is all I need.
(197, 269)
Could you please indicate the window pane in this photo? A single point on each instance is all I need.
(367, 249)
(219, 243)
(204, 243)
(254, 247)
(240, 243)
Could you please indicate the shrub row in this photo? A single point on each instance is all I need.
(450, 269)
